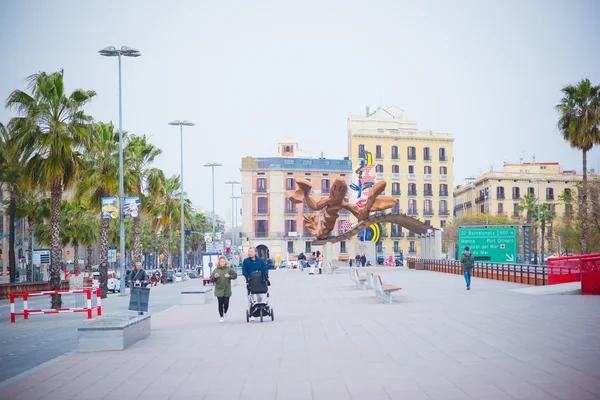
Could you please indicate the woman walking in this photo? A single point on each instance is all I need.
(222, 276)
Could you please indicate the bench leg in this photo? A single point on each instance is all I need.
(389, 297)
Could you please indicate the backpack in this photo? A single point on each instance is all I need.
(469, 261)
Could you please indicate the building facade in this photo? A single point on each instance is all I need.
(417, 165)
(500, 193)
(272, 223)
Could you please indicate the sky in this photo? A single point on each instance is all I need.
(249, 73)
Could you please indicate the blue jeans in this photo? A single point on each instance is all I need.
(468, 277)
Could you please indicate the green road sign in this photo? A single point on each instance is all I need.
(497, 245)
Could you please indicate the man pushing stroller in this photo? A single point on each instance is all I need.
(257, 280)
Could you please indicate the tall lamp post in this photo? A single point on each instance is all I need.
(124, 51)
(236, 198)
(212, 166)
(232, 183)
(181, 125)
(539, 222)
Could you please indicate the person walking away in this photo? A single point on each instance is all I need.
(222, 277)
(363, 260)
(252, 264)
(350, 262)
(468, 262)
(320, 262)
(357, 260)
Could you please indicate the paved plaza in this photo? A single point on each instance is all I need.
(333, 341)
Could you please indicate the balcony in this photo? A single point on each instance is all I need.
(516, 196)
(443, 158)
(549, 197)
(293, 234)
(412, 157)
(480, 199)
(413, 211)
(261, 190)
(395, 193)
(411, 235)
(325, 190)
(500, 196)
(428, 193)
(395, 156)
(427, 158)
(379, 175)
(412, 250)
(261, 234)
(396, 176)
(397, 234)
(444, 193)
(412, 192)
(379, 156)
(428, 212)
(444, 212)
(291, 211)
(516, 214)
(396, 210)
(261, 210)
(412, 177)
(427, 177)
(443, 177)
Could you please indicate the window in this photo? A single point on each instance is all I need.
(427, 169)
(426, 154)
(396, 209)
(443, 170)
(343, 247)
(396, 246)
(290, 225)
(549, 194)
(530, 190)
(412, 189)
(395, 169)
(379, 168)
(411, 247)
(395, 153)
(516, 210)
(443, 207)
(442, 154)
(428, 189)
(308, 247)
(288, 149)
(516, 192)
(427, 207)
(262, 228)
(395, 230)
(443, 189)
(552, 207)
(289, 205)
(427, 222)
(500, 192)
(412, 207)
(261, 185)
(380, 247)
(325, 186)
(412, 153)
(361, 150)
(290, 184)
(443, 223)
(378, 152)
(395, 189)
(262, 205)
(411, 169)
(290, 247)
(500, 208)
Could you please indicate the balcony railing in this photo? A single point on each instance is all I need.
(427, 177)
(428, 193)
(480, 199)
(500, 196)
(396, 210)
(428, 212)
(261, 234)
(443, 193)
(379, 156)
(443, 158)
(412, 192)
(325, 190)
(516, 196)
(427, 158)
(395, 156)
(413, 211)
(395, 176)
(395, 193)
(411, 235)
(397, 234)
(261, 190)
(261, 210)
(444, 177)
(412, 157)
(291, 211)
(549, 197)
(444, 212)
(412, 176)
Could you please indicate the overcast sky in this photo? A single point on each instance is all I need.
(249, 72)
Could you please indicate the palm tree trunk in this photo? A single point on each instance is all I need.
(12, 265)
(583, 207)
(541, 262)
(29, 271)
(103, 268)
(165, 263)
(137, 233)
(56, 191)
(76, 256)
(89, 261)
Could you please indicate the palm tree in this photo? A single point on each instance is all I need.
(56, 131)
(163, 208)
(101, 179)
(79, 227)
(34, 209)
(139, 154)
(13, 156)
(546, 216)
(89, 236)
(528, 203)
(579, 124)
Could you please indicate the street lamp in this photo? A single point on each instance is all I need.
(181, 125)
(232, 183)
(125, 51)
(212, 166)
(235, 198)
(539, 222)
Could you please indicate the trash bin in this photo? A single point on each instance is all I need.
(138, 301)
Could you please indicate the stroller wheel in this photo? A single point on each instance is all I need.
(247, 316)
(272, 315)
(261, 314)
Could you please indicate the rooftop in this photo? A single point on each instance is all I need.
(289, 163)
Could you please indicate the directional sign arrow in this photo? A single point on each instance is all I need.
(510, 258)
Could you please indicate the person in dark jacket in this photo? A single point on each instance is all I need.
(138, 274)
(253, 263)
(467, 260)
(363, 260)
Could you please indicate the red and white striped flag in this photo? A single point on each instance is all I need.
(347, 225)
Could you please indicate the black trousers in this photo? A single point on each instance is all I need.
(223, 305)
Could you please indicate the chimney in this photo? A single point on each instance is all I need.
(367, 108)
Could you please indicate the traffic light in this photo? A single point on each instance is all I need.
(188, 231)
(177, 232)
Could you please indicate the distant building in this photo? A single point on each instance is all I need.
(272, 223)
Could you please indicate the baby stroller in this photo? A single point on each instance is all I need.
(258, 297)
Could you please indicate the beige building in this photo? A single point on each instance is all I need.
(417, 165)
(270, 221)
(505, 189)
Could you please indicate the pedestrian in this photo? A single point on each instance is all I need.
(138, 276)
(320, 262)
(468, 262)
(222, 277)
(363, 260)
(252, 264)
(357, 259)
(312, 263)
(350, 262)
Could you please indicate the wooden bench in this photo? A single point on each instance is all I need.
(360, 280)
(113, 333)
(200, 295)
(384, 291)
(332, 267)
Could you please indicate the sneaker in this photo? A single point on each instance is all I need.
(468, 287)
(226, 317)
(221, 319)
(251, 319)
